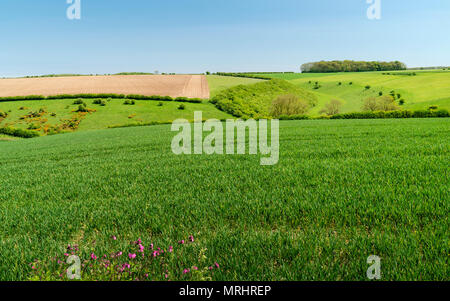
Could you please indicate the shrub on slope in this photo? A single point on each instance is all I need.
(254, 101)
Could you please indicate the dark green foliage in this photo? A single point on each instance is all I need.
(393, 114)
(401, 102)
(350, 66)
(3, 114)
(380, 93)
(367, 87)
(29, 97)
(160, 104)
(82, 108)
(33, 126)
(129, 102)
(79, 101)
(181, 107)
(18, 132)
(254, 101)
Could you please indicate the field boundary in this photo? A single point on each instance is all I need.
(90, 96)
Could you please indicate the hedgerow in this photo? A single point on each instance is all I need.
(18, 132)
(393, 114)
(246, 75)
(101, 96)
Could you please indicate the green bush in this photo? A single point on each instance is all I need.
(181, 107)
(33, 126)
(82, 108)
(79, 101)
(255, 100)
(3, 114)
(286, 105)
(18, 132)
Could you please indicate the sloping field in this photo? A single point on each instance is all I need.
(194, 86)
(342, 190)
(425, 89)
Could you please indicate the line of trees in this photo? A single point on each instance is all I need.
(351, 66)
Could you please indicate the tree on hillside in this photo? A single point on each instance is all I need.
(332, 108)
(370, 104)
(288, 105)
(384, 103)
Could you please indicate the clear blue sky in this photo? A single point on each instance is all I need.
(217, 35)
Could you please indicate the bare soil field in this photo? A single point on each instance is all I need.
(194, 86)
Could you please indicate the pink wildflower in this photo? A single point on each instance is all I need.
(181, 242)
(66, 254)
(156, 253)
(114, 237)
(132, 256)
(141, 248)
(195, 268)
(151, 246)
(185, 271)
(191, 238)
(93, 257)
(217, 265)
(170, 249)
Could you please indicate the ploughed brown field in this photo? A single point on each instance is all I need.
(192, 86)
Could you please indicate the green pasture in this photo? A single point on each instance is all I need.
(114, 113)
(425, 89)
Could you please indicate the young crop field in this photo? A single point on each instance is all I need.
(342, 190)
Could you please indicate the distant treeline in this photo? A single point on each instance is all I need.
(351, 66)
(430, 68)
(117, 96)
